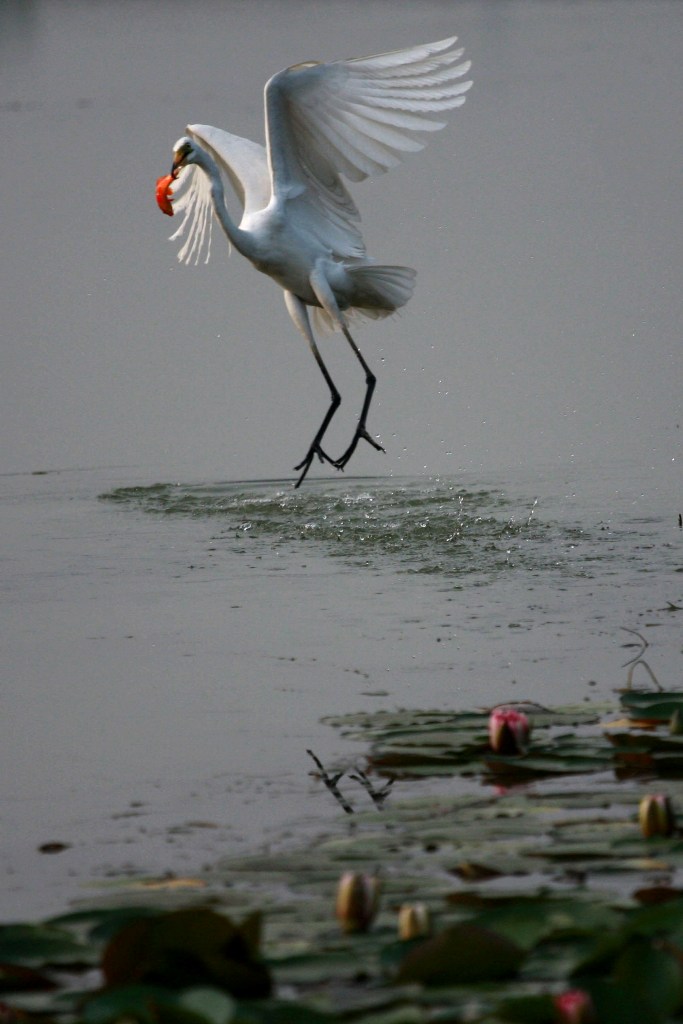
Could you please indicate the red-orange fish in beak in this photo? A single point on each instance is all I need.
(164, 193)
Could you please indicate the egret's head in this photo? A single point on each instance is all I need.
(184, 153)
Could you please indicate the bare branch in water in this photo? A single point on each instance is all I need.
(638, 660)
(378, 796)
(653, 677)
(331, 783)
(643, 648)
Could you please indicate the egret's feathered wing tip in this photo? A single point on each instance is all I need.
(355, 118)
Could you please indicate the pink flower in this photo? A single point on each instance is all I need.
(656, 815)
(509, 731)
(574, 1007)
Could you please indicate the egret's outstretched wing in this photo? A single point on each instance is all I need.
(242, 163)
(356, 118)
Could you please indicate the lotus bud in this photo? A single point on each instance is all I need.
(357, 901)
(676, 723)
(509, 731)
(574, 1007)
(656, 815)
(413, 921)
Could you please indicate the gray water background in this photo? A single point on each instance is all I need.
(169, 651)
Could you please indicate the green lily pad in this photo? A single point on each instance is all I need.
(646, 984)
(526, 921)
(209, 1004)
(646, 706)
(533, 868)
(32, 944)
(142, 1004)
(17, 978)
(460, 955)
(189, 948)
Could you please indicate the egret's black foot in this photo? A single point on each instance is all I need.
(305, 464)
(361, 433)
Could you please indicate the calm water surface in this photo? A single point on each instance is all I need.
(172, 647)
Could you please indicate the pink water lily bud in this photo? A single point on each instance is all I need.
(357, 901)
(413, 921)
(509, 731)
(656, 815)
(574, 1007)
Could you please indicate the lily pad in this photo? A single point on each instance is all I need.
(533, 868)
(32, 944)
(189, 948)
(463, 954)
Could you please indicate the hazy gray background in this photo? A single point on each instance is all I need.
(545, 223)
(161, 661)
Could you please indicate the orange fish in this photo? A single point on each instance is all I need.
(164, 193)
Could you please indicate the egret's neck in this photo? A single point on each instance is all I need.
(242, 240)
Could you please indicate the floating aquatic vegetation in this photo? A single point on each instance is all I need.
(412, 744)
(506, 896)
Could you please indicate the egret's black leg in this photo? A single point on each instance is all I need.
(299, 314)
(335, 402)
(361, 429)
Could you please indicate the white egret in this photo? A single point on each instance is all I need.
(299, 224)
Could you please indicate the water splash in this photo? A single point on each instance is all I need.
(419, 526)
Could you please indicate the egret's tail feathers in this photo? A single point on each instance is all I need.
(381, 288)
(378, 291)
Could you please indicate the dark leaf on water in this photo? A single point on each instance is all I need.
(14, 978)
(463, 954)
(142, 1004)
(209, 1004)
(614, 1005)
(655, 894)
(528, 920)
(471, 871)
(659, 919)
(32, 944)
(102, 923)
(528, 1010)
(648, 706)
(652, 973)
(187, 948)
(646, 984)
